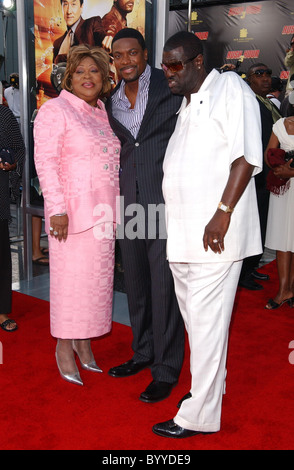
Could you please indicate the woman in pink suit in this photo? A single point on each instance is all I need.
(77, 161)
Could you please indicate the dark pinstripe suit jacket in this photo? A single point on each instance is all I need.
(142, 158)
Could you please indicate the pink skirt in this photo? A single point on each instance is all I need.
(81, 286)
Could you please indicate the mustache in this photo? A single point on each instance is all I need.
(126, 67)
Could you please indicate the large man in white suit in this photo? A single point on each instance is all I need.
(212, 217)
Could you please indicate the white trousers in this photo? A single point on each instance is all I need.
(206, 294)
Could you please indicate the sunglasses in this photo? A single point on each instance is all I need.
(261, 72)
(175, 67)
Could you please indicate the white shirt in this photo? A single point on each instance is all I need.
(220, 125)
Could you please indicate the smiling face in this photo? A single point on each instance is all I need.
(72, 11)
(130, 59)
(87, 81)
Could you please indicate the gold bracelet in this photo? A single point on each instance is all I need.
(225, 208)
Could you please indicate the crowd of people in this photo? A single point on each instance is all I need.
(154, 141)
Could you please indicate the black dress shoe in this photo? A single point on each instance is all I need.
(260, 276)
(250, 284)
(171, 429)
(185, 397)
(156, 391)
(128, 368)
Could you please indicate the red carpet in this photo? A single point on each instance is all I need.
(41, 411)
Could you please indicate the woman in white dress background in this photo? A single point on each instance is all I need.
(280, 226)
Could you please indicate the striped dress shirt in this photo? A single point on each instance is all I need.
(132, 118)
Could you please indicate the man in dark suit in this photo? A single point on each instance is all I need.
(142, 113)
(259, 80)
(79, 31)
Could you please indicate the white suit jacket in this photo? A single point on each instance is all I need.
(221, 124)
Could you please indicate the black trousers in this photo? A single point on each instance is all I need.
(157, 325)
(5, 269)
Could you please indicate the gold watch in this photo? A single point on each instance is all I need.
(225, 208)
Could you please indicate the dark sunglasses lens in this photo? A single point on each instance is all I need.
(261, 72)
(174, 67)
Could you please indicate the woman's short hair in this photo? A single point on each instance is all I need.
(77, 54)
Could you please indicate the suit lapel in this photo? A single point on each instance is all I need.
(78, 32)
(154, 96)
(113, 119)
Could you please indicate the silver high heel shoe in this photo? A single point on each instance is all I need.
(90, 366)
(72, 378)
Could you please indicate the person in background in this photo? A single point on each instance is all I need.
(280, 226)
(286, 106)
(10, 173)
(276, 90)
(212, 217)
(39, 253)
(143, 114)
(77, 162)
(289, 63)
(259, 78)
(12, 96)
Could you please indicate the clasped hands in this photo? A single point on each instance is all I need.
(59, 226)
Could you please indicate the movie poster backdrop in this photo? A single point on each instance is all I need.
(50, 26)
(250, 32)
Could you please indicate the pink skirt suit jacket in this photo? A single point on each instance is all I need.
(77, 162)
